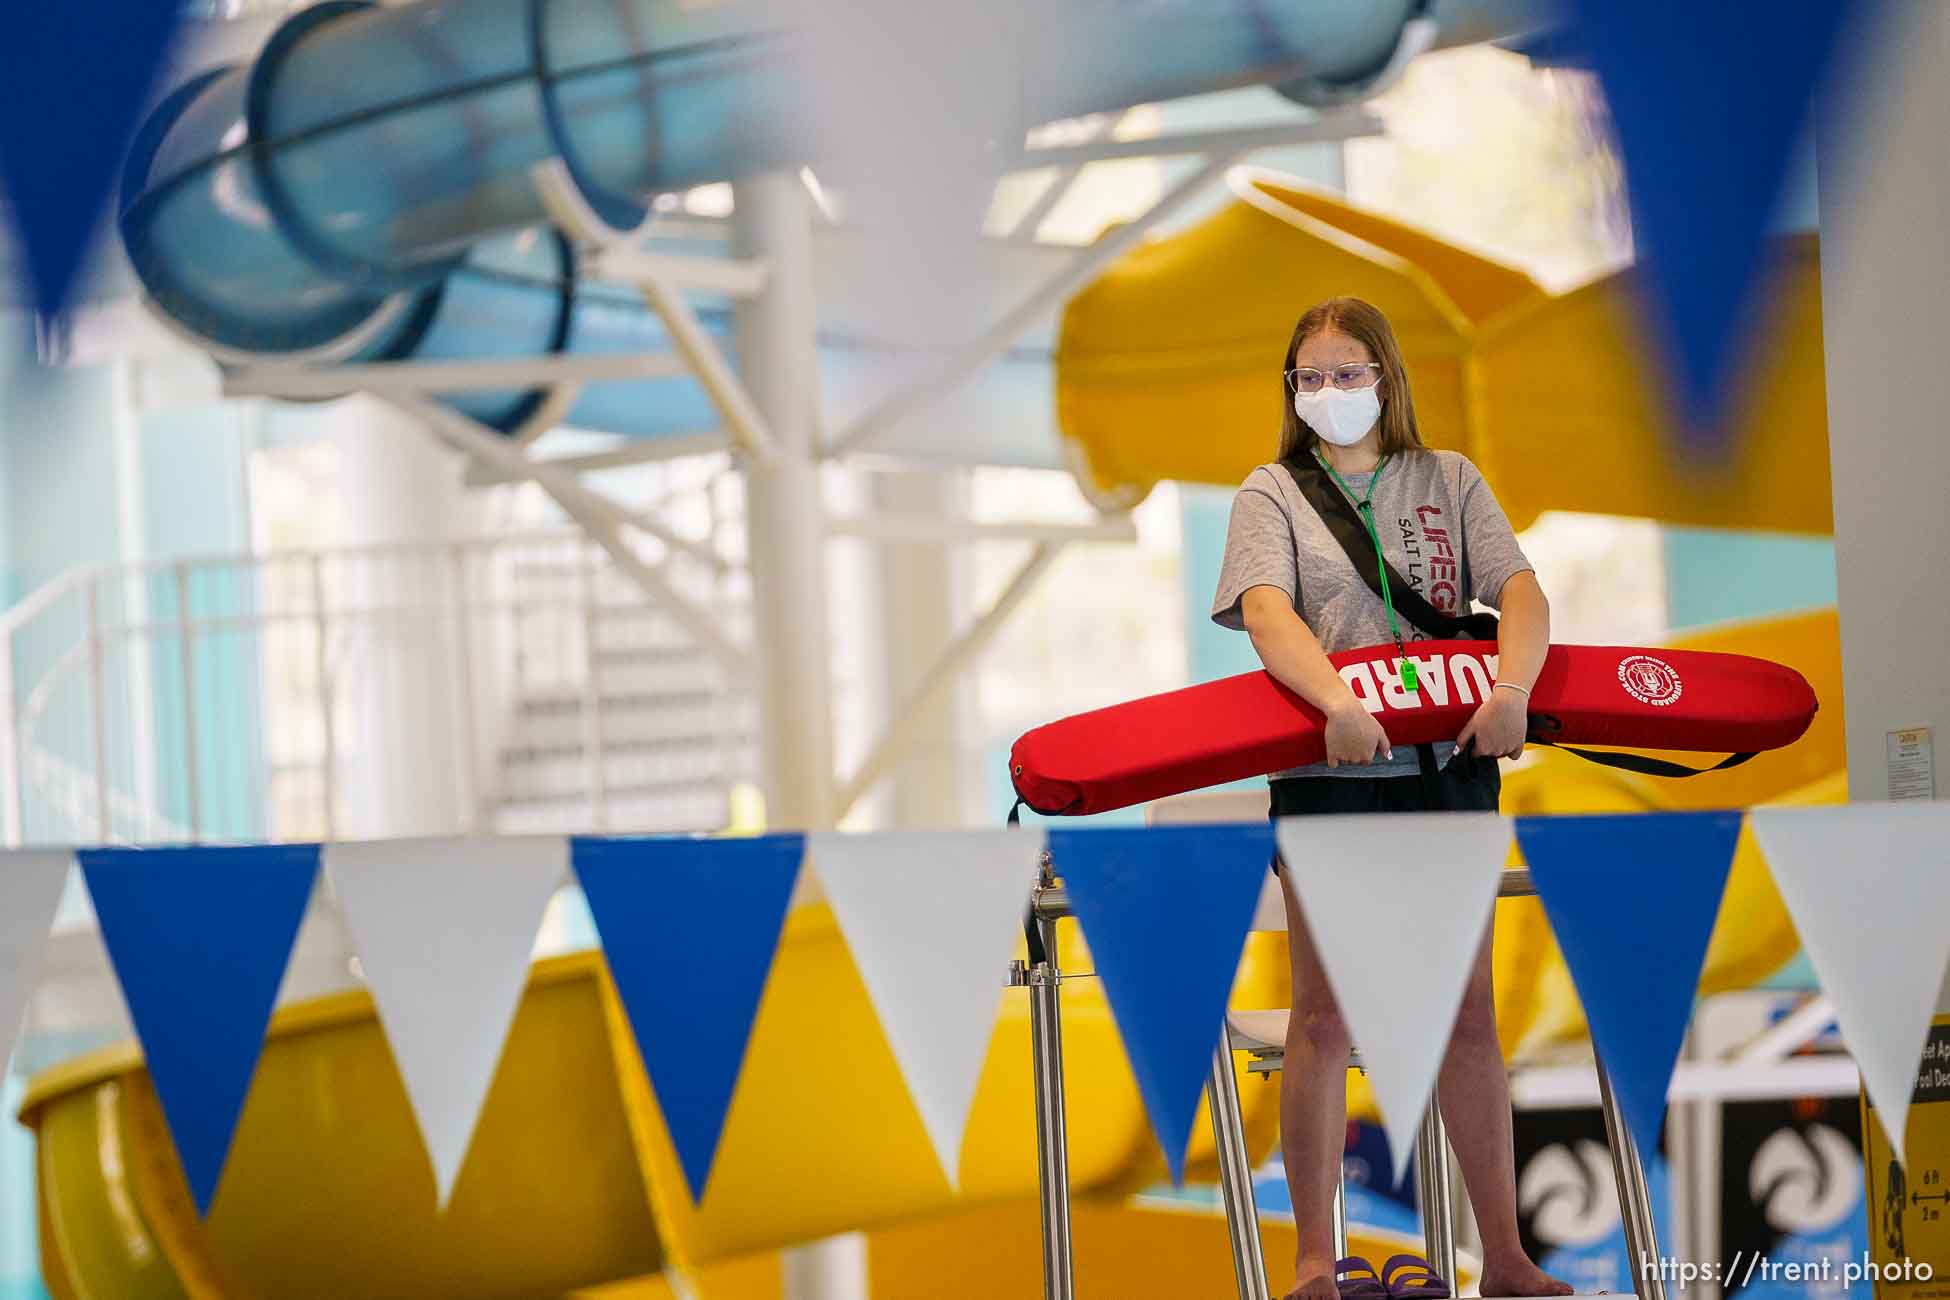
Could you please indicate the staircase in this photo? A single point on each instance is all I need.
(647, 736)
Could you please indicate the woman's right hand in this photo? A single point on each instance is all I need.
(1293, 656)
(1353, 736)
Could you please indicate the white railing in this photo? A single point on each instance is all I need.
(360, 692)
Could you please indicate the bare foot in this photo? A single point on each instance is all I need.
(1314, 1280)
(1520, 1277)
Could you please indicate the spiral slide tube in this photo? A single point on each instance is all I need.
(361, 191)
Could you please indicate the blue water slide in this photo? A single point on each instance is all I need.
(361, 191)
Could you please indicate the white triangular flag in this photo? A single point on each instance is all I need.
(1397, 904)
(444, 929)
(30, 890)
(1868, 886)
(931, 918)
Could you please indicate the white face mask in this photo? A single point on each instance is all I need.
(1341, 417)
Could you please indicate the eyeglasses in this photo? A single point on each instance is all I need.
(1355, 375)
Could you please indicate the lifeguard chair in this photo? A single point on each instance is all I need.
(1262, 1036)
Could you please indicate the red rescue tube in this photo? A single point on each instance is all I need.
(1250, 725)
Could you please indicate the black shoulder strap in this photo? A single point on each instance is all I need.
(1644, 765)
(1344, 523)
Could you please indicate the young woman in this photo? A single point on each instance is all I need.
(1289, 584)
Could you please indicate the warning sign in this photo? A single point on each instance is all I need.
(1909, 1206)
(1912, 764)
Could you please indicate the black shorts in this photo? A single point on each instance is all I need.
(1467, 784)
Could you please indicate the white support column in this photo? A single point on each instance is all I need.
(396, 674)
(776, 343)
(918, 617)
(1885, 205)
(137, 653)
(1885, 208)
(778, 355)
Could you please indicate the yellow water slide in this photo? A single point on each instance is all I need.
(1168, 367)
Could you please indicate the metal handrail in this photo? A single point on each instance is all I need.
(36, 602)
(523, 593)
(26, 609)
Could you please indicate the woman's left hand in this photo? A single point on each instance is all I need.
(1498, 726)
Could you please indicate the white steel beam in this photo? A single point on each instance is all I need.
(992, 342)
(637, 451)
(390, 379)
(602, 519)
(708, 364)
(1066, 174)
(733, 277)
(525, 468)
(562, 200)
(901, 732)
(10, 766)
(926, 528)
(619, 253)
(550, 412)
(652, 276)
(1327, 129)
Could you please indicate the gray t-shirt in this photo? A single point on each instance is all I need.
(1440, 526)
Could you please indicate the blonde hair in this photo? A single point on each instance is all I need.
(1364, 323)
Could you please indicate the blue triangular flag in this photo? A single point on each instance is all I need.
(665, 910)
(1708, 103)
(199, 938)
(60, 145)
(1165, 911)
(1632, 899)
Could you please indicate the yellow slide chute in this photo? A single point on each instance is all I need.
(1167, 367)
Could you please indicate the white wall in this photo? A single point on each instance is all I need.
(1885, 270)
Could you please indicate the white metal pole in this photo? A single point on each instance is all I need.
(592, 689)
(919, 602)
(322, 667)
(777, 346)
(469, 765)
(400, 487)
(138, 679)
(97, 709)
(777, 350)
(185, 650)
(10, 801)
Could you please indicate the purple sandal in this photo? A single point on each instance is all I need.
(1409, 1277)
(1356, 1279)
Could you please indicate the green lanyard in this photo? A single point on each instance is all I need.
(1366, 507)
